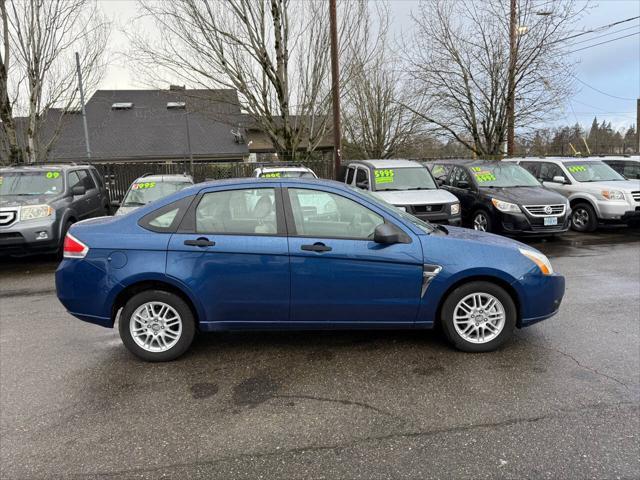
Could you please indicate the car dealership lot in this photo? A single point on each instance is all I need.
(560, 400)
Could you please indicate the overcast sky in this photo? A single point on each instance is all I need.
(613, 68)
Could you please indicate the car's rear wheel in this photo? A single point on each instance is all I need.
(157, 326)
(583, 218)
(482, 221)
(478, 317)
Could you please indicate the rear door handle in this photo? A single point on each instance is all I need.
(200, 242)
(316, 247)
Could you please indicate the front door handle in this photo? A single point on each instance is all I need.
(316, 247)
(200, 242)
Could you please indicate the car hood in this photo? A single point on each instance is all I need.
(626, 185)
(525, 195)
(416, 197)
(125, 210)
(484, 237)
(19, 200)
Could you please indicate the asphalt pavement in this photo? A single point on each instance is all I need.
(559, 401)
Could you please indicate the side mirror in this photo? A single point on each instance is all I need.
(559, 179)
(115, 203)
(78, 190)
(364, 185)
(463, 184)
(440, 181)
(388, 234)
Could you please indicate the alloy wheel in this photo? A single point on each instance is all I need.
(480, 222)
(580, 217)
(155, 326)
(479, 317)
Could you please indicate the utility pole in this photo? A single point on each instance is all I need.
(638, 126)
(335, 88)
(84, 112)
(511, 88)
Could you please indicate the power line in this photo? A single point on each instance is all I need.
(603, 93)
(603, 35)
(602, 43)
(597, 29)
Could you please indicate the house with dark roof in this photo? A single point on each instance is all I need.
(153, 125)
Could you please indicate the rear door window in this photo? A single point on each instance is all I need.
(239, 212)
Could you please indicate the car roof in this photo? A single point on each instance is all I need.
(394, 163)
(557, 159)
(44, 167)
(265, 181)
(165, 178)
(467, 162)
(283, 168)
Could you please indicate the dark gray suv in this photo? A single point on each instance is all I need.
(38, 204)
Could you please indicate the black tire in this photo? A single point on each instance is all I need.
(479, 215)
(179, 305)
(583, 218)
(450, 303)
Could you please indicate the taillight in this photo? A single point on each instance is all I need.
(73, 248)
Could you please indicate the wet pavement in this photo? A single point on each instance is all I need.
(559, 401)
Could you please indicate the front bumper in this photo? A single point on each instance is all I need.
(615, 210)
(523, 224)
(30, 236)
(540, 297)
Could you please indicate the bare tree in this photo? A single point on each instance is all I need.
(376, 121)
(461, 58)
(43, 36)
(275, 53)
(9, 136)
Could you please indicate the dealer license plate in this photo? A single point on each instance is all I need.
(550, 221)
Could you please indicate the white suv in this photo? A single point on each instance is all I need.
(596, 192)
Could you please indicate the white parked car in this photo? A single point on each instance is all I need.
(284, 171)
(149, 188)
(596, 192)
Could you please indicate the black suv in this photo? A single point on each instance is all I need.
(502, 197)
(38, 204)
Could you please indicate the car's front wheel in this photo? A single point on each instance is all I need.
(583, 218)
(478, 317)
(156, 326)
(482, 221)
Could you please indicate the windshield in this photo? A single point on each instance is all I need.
(288, 174)
(142, 193)
(31, 183)
(503, 175)
(411, 178)
(592, 171)
(424, 226)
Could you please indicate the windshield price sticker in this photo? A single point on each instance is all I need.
(271, 175)
(52, 175)
(483, 175)
(577, 168)
(437, 169)
(384, 176)
(141, 186)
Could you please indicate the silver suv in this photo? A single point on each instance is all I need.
(38, 204)
(408, 185)
(596, 192)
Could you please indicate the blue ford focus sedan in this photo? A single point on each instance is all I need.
(265, 254)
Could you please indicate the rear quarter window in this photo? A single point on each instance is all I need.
(166, 219)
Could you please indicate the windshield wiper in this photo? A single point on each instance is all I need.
(419, 188)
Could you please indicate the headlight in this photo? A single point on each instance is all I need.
(613, 194)
(539, 259)
(505, 206)
(401, 207)
(455, 208)
(31, 212)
